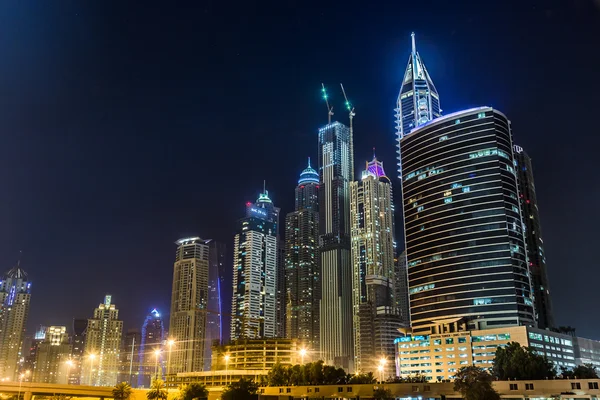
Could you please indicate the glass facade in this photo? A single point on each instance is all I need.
(463, 230)
(533, 239)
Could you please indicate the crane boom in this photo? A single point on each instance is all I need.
(329, 108)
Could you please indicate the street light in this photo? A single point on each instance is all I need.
(302, 354)
(382, 362)
(171, 343)
(226, 368)
(92, 358)
(69, 365)
(21, 382)
(156, 354)
(380, 369)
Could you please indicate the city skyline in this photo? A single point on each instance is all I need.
(392, 58)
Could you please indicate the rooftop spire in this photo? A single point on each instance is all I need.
(308, 162)
(414, 46)
(309, 175)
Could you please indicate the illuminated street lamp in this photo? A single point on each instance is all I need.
(226, 368)
(92, 358)
(302, 354)
(21, 382)
(171, 343)
(69, 365)
(381, 368)
(157, 355)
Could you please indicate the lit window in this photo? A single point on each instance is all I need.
(448, 200)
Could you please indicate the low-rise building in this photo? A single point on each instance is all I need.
(439, 356)
(533, 390)
(587, 351)
(255, 354)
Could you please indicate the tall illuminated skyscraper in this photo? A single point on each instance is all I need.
(15, 296)
(376, 316)
(536, 252)
(465, 248)
(255, 270)
(418, 100)
(77, 350)
(303, 284)
(153, 335)
(189, 300)
(214, 321)
(335, 165)
(102, 345)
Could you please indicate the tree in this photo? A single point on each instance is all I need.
(242, 390)
(382, 394)
(333, 375)
(475, 383)
(157, 390)
(277, 376)
(367, 378)
(121, 391)
(586, 371)
(521, 363)
(192, 391)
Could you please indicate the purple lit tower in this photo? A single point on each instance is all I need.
(153, 335)
(214, 317)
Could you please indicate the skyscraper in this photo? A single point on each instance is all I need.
(15, 295)
(335, 159)
(52, 357)
(376, 316)
(103, 345)
(153, 334)
(77, 350)
(189, 305)
(401, 288)
(214, 321)
(129, 359)
(464, 240)
(536, 252)
(255, 256)
(303, 284)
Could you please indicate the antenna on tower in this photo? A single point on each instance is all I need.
(351, 114)
(329, 108)
(414, 46)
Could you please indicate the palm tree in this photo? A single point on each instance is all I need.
(121, 391)
(193, 391)
(157, 390)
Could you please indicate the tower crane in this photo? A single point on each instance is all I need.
(329, 108)
(351, 114)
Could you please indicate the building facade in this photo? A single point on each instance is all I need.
(467, 266)
(77, 350)
(536, 253)
(587, 351)
(440, 356)
(255, 268)
(401, 288)
(102, 345)
(15, 296)
(336, 315)
(256, 354)
(53, 357)
(189, 300)
(376, 318)
(129, 358)
(214, 319)
(303, 284)
(418, 101)
(153, 336)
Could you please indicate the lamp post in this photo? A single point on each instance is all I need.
(302, 354)
(69, 365)
(92, 358)
(156, 354)
(381, 368)
(226, 369)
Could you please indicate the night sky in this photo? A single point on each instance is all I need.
(127, 125)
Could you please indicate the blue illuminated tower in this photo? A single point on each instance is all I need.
(15, 295)
(418, 100)
(153, 333)
(303, 284)
(255, 272)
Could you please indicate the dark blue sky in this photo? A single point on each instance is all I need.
(124, 126)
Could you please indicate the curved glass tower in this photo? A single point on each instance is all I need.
(465, 249)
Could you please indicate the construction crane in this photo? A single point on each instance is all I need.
(352, 114)
(329, 108)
